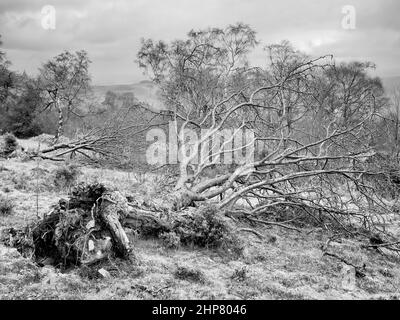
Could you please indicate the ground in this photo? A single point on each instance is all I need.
(284, 264)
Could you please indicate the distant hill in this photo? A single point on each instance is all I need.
(148, 92)
(144, 91)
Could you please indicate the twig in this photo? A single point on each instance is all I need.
(252, 231)
(382, 245)
(275, 224)
(359, 273)
(37, 183)
(162, 288)
(386, 246)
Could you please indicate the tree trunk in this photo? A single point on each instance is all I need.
(113, 209)
(60, 121)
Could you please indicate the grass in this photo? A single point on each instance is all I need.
(282, 265)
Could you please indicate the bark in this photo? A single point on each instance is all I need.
(147, 222)
(60, 121)
(113, 209)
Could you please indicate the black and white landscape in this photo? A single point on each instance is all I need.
(230, 150)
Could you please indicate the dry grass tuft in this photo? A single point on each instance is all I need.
(189, 274)
(6, 206)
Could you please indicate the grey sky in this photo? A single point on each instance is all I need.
(111, 30)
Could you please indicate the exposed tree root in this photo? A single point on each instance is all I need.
(85, 228)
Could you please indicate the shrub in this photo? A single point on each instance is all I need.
(66, 175)
(205, 228)
(10, 144)
(6, 190)
(189, 274)
(170, 240)
(240, 274)
(21, 116)
(21, 180)
(6, 206)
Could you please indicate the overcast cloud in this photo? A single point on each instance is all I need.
(111, 30)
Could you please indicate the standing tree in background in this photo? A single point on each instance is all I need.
(389, 126)
(20, 101)
(22, 118)
(7, 77)
(395, 115)
(65, 80)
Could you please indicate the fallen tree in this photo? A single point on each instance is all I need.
(311, 143)
(101, 144)
(310, 123)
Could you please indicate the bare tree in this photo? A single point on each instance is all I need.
(208, 82)
(395, 115)
(386, 131)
